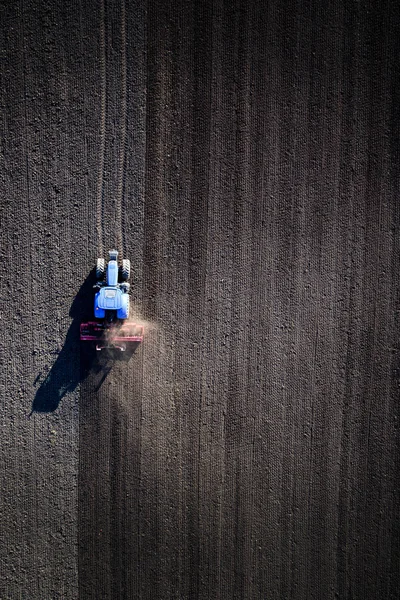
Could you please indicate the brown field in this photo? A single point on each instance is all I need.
(245, 157)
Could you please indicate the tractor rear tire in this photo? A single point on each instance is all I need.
(100, 269)
(125, 269)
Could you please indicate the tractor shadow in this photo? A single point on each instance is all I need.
(76, 361)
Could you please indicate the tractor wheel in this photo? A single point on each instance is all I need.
(100, 269)
(125, 269)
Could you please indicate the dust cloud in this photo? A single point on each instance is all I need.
(135, 318)
(135, 325)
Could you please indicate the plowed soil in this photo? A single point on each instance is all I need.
(245, 157)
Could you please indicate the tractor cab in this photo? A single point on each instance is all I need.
(111, 299)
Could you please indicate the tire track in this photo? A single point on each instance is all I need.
(122, 141)
(111, 401)
(103, 116)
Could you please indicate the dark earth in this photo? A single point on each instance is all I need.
(245, 157)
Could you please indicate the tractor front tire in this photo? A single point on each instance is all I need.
(125, 269)
(100, 269)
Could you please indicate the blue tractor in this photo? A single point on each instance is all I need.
(112, 328)
(112, 299)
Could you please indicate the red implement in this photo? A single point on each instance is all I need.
(114, 335)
